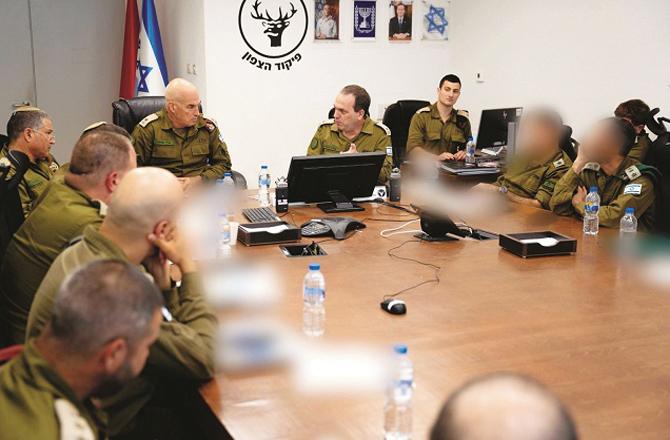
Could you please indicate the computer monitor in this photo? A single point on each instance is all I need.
(494, 125)
(334, 179)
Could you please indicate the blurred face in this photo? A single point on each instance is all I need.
(600, 145)
(133, 363)
(537, 139)
(448, 94)
(184, 112)
(638, 128)
(400, 10)
(346, 118)
(40, 141)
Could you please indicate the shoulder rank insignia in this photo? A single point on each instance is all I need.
(559, 163)
(53, 166)
(464, 113)
(423, 110)
(633, 172)
(594, 166)
(148, 119)
(383, 127)
(72, 425)
(4, 163)
(210, 123)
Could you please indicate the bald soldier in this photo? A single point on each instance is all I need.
(180, 139)
(30, 131)
(98, 163)
(540, 162)
(139, 228)
(353, 131)
(503, 406)
(636, 112)
(105, 317)
(622, 182)
(439, 131)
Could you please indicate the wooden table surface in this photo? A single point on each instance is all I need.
(579, 324)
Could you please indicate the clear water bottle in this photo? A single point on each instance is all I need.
(591, 208)
(226, 191)
(628, 225)
(398, 408)
(223, 248)
(314, 297)
(470, 148)
(264, 186)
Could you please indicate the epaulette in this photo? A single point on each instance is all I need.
(98, 124)
(327, 122)
(4, 163)
(632, 172)
(72, 424)
(210, 123)
(593, 166)
(148, 119)
(463, 113)
(423, 110)
(383, 127)
(558, 163)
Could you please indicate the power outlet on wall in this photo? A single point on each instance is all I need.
(190, 69)
(479, 77)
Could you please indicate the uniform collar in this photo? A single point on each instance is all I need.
(101, 245)
(368, 126)
(166, 124)
(435, 113)
(627, 163)
(95, 203)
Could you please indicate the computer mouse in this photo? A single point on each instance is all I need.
(394, 306)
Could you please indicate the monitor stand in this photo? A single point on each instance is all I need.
(340, 203)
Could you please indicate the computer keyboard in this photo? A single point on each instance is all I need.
(260, 215)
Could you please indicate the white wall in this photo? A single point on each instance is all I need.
(581, 56)
(271, 116)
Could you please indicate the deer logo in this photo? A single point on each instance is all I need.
(274, 27)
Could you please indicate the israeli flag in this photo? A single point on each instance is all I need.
(152, 75)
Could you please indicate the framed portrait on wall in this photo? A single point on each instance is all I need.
(365, 20)
(400, 21)
(326, 19)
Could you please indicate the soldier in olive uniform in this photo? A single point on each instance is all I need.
(30, 131)
(139, 229)
(179, 139)
(440, 131)
(70, 203)
(104, 319)
(622, 182)
(353, 131)
(539, 164)
(636, 112)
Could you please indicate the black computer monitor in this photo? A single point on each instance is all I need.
(493, 126)
(334, 179)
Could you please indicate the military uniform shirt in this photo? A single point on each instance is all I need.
(183, 351)
(60, 215)
(34, 181)
(426, 130)
(36, 403)
(374, 136)
(535, 181)
(627, 188)
(640, 148)
(185, 152)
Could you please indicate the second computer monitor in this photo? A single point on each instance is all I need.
(494, 126)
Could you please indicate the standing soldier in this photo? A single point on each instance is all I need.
(179, 139)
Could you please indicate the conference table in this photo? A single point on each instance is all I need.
(580, 324)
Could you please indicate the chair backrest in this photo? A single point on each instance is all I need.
(331, 113)
(127, 113)
(397, 118)
(11, 211)
(659, 157)
(568, 144)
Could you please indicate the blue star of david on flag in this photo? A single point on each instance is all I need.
(437, 20)
(144, 72)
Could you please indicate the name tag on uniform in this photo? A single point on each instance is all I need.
(633, 188)
(633, 172)
(389, 150)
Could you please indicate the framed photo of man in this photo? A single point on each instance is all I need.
(327, 19)
(400, 23)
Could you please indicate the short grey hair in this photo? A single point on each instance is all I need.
(102, 301)
(29, 117)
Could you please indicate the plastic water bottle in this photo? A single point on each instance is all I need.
(226, 192)
(264, 186)
(314, 296)
(470, 148)
(398, 408)
(628, 225)
(223, 248)
(591, 208)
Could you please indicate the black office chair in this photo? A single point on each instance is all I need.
(659, 157)
(397, 118)
(568, 144)
(11, 211)
(127, 113)
(331, 113)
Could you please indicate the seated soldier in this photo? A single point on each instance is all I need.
(31, 132)
(440, 131)
(78, 199)
(636, 112)
(179, 139)
(353, 131)
(105, 317)
(622, 182)
(139, 228)
(540, 162)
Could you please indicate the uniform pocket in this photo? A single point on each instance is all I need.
(200, 149)
(165, 151)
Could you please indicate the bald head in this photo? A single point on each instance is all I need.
(503, 406)
(146, 197)
(182, 103)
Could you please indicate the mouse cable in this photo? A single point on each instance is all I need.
(393, 231)
(436, 269)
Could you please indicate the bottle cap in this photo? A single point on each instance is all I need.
(630, 211)
(470, 138)
(593, 189)
(314, 266)
(228, 174)
(400, 348)
(264, 167)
